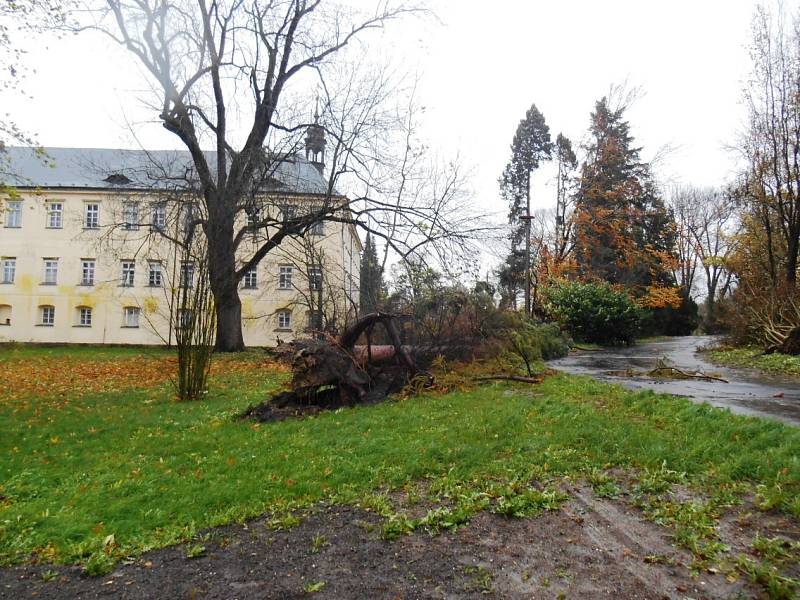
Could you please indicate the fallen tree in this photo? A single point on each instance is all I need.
(328, 373)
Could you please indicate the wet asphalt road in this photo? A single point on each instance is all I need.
(746, 393)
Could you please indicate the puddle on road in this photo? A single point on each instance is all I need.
(745, 393)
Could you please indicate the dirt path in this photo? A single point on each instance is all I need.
(592, 548)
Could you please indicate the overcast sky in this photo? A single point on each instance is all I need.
(482, 67)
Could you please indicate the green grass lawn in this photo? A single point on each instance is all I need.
(149, 471)
(754, 358)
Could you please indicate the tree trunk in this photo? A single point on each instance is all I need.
(229, 322)
(791, 263)
(711, 299)
(528, 247)
(222, 276)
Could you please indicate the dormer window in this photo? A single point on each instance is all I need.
(117, 179)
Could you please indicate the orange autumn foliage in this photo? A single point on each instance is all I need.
(59, 378)
(657, 296)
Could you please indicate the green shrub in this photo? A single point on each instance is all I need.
(670, 321)
(593, 312)
(535, 342)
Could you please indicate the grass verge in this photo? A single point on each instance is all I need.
(754, 358)
(93, 477)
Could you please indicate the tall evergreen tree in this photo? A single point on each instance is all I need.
(624, 233)
(567, 163)
(530, 147)
(372, 288)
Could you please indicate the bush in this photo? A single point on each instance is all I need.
(593, 312)
(535, 342)
(670, 321)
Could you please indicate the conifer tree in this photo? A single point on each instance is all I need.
(624, 233)
(567, 163)
(372, 288)
(530, 147)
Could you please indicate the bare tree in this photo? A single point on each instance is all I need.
(194, 324)
(707, 227)
(772, 142)
(325, 290)
(232, 75)
(683, 202)
(565, 187)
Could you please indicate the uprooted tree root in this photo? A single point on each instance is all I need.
(331, 373)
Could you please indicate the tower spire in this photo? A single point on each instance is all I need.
(315, 141)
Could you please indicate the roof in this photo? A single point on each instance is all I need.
(108, 168)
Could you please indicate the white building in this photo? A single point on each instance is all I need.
(85, 255)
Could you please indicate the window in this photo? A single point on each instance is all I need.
(318, 228)
(285, 277)
(9, 269)
(128, 272)
(288, 211)
(84, 316)
(251, 278)
(55, 215)
(188, 217)
(187, 274)
(91, 216)
(184, 318)
(315, 278)
(47, 315)
(50, 271)
(5, 315)
(130, 215)
(253, 216)
(154, 274)
(284, 319)
(315, 320)
(159, 216)
(13, 213)
(87, 271)
(131, 316)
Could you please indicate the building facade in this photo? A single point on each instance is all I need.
(87, 253)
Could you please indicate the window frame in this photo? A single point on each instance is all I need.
(187, 274)
(50, 267)
(315, 278)
(253, 217)
(158, 216)
(13, 210)
(314, 319)
(55, 217)
(127, 311)
(47, 315)
(91, 215)
(250, 279)
(88, 266)
(183, 318)
(317, 228)
(285, 273)
(284, 319)
(154, 267)
(6, 322)
(84, 316)
(130, 215)
(128, 268)
(9, 266)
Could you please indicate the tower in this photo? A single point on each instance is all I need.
(315, 143)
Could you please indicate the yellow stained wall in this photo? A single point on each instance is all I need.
(108, 246)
